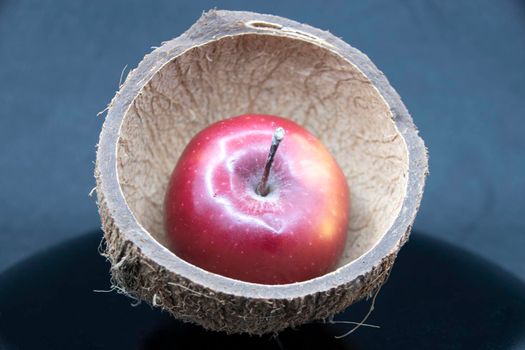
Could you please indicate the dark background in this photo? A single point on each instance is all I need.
(458, 65)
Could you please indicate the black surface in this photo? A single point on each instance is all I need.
(438, 297)
(458, 65)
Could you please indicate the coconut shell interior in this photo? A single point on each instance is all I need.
(266, 74)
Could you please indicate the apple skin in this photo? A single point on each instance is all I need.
(215, 220)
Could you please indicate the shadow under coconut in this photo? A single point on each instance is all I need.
(437, 296)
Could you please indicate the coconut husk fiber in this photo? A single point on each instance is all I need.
(231, 63)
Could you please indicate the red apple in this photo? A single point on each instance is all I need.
(217, 219)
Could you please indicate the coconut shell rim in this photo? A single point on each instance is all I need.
(229, 24)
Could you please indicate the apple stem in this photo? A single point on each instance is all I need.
(263, 189)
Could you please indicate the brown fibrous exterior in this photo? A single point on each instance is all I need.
(129, 191)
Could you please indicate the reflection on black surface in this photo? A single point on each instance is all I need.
(438, 296)
(173, 335)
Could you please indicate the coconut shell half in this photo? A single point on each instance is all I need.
(233, 63)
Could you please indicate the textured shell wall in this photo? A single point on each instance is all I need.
(265, 74)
